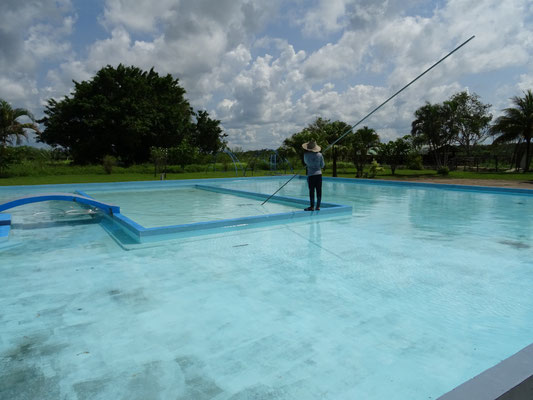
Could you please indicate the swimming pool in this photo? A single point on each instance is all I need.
(417, 291)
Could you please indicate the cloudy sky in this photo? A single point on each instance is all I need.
(266, 69)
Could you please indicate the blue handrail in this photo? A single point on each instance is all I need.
(108, 208)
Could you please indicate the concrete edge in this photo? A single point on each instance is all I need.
(511, 379)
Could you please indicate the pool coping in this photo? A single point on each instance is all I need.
(141, 234)
(511, 379)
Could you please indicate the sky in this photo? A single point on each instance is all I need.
(267, 69)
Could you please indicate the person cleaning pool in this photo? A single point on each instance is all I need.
(314, 162)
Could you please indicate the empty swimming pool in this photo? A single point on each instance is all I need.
(416, 291)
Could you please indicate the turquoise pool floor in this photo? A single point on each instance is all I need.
(392, 302)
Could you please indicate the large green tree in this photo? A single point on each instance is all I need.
(206, 134)
(430, 127)
(395, 152)
(12, 130)
(122, 112)
(516, 124)
(462, 119)
(363, 141)
(468, 119)
(323, 131)
(333, 131)
(292, 146)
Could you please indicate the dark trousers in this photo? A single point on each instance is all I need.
(315, 183)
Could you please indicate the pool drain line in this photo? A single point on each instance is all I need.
(376, 109)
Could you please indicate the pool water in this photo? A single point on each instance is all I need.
(185, 205)
(416, 292)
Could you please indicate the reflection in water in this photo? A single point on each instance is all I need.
(444, 212)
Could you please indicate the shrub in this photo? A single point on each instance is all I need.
(194, 168)
(374, 169)
(108, 163)
(262, 165)
(443, 171)
(414, 161)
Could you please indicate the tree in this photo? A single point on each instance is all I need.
(322, 131)
(470, 118)
(11, 129)
(183, 154)
(334, 131)
(362, 142)
(516, 123)
(462, 119)
(121, 111)
(207, 135)
(429, 127)
(292, 146)
(394, 152)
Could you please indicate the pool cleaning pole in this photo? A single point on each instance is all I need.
(377, 108)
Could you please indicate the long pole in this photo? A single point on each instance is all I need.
(378, 107)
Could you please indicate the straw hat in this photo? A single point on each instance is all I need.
(311, 146)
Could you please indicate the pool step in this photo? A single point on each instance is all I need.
(5, 226)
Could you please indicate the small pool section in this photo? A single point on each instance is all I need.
(198, 209)
(412, 292)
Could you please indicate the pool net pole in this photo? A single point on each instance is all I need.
(378, 107)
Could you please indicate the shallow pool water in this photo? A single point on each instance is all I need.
(153, 208)
(416, 292)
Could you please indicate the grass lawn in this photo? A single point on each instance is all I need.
(115, 177)
(405, 174)
(124, 176)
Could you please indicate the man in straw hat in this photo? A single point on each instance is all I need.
(314, 162)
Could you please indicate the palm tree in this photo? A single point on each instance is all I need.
(10, 128)
(517, 124)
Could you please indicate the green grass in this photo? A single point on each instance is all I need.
(405, 174)
(408, 174)
(95, 174)
(115, 177)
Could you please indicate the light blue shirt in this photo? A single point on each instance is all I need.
(314, 163)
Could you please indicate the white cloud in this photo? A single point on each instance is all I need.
(336, 60)
(24, 43)
(327, 17)
(526, 82)
(233, 59)
(31, 33)
(138, 15)
(13, 90)
(46, 41)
